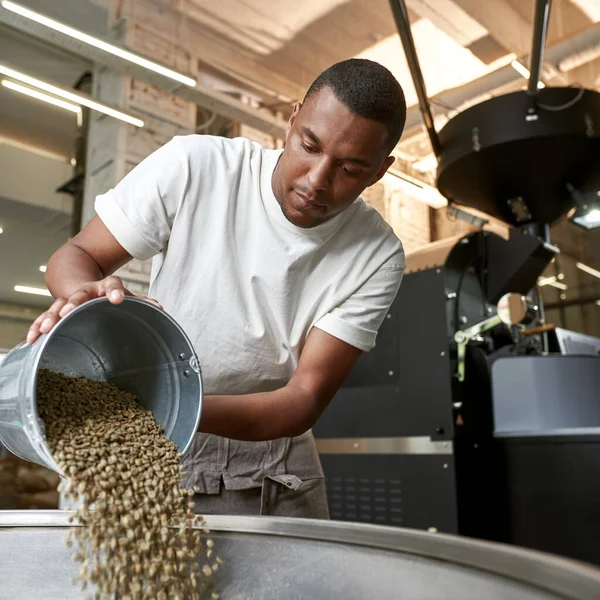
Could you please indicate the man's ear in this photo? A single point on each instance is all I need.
(389, 161)
(292, 118)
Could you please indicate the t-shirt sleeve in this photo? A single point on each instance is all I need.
(140, 210)
(357, 319)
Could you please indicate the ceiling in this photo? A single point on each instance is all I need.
(282, 46)
(30, 121)
(456, 40)
(277, 48)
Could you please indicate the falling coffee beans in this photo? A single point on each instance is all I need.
(136, 539)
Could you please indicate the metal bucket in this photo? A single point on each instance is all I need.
(133, 344)
(268, 558)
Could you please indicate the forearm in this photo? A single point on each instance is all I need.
(286, 412)
(69, 268)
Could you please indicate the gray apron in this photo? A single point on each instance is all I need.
(280, 477)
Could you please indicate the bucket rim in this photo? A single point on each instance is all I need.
(43, 341)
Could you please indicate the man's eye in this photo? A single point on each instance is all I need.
(349, 172)
(309, 149)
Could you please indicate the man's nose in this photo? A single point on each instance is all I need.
(319, 176)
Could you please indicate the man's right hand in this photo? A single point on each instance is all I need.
(111, 287)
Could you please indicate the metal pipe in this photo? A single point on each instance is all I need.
(540, 30)
(542, 232)
(81, 142)
(403, 25)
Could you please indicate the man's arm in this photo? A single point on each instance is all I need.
(80, 271)
(140, 211)
(291, 410)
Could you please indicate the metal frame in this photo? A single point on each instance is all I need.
(540, 29)
(403, 25)
(383, 445)
(571, 579)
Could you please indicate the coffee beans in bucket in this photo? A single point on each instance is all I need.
(136, 540)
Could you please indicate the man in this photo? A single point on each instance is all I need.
(276, 269)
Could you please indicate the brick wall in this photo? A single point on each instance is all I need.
(408, 217)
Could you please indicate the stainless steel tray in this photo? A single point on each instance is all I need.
(270, 558)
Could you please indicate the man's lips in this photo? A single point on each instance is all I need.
(304, 201)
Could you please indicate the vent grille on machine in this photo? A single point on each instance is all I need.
(365, 500)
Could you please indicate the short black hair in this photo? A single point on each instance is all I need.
(369, 90)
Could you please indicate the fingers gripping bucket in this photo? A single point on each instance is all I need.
(134, 344)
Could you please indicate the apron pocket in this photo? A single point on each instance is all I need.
(289, 496)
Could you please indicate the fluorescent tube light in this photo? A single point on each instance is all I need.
(418, 190)
(97, 43)
(17, 87)
(34, 149)
(552, 282)
(519, 68)
(588, 270)
(524, 72)
(26, 289)
(73, 97)
(546, 281)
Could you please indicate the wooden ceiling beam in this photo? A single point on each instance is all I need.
(503, 22)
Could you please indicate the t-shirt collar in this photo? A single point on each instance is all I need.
(270, 160)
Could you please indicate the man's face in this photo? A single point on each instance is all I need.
(331, 155)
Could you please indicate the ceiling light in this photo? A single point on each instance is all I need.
(1, 230)
(587, 208)
(100, 44)
(588, 219)
(34, 149)
(552, 282)
(417, 189)
(546, 281)
(25, 289)
(17, 87)
(43, 268)
(520, 69)
(598, 302)
(524, 72)
(588, 270)
(76, 98)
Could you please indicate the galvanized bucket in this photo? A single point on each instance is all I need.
(134, 344)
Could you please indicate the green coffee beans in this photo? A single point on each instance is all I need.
(136, 541)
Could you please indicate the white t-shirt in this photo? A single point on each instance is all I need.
(246, 284)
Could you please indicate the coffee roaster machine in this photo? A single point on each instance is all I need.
(473, 415)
